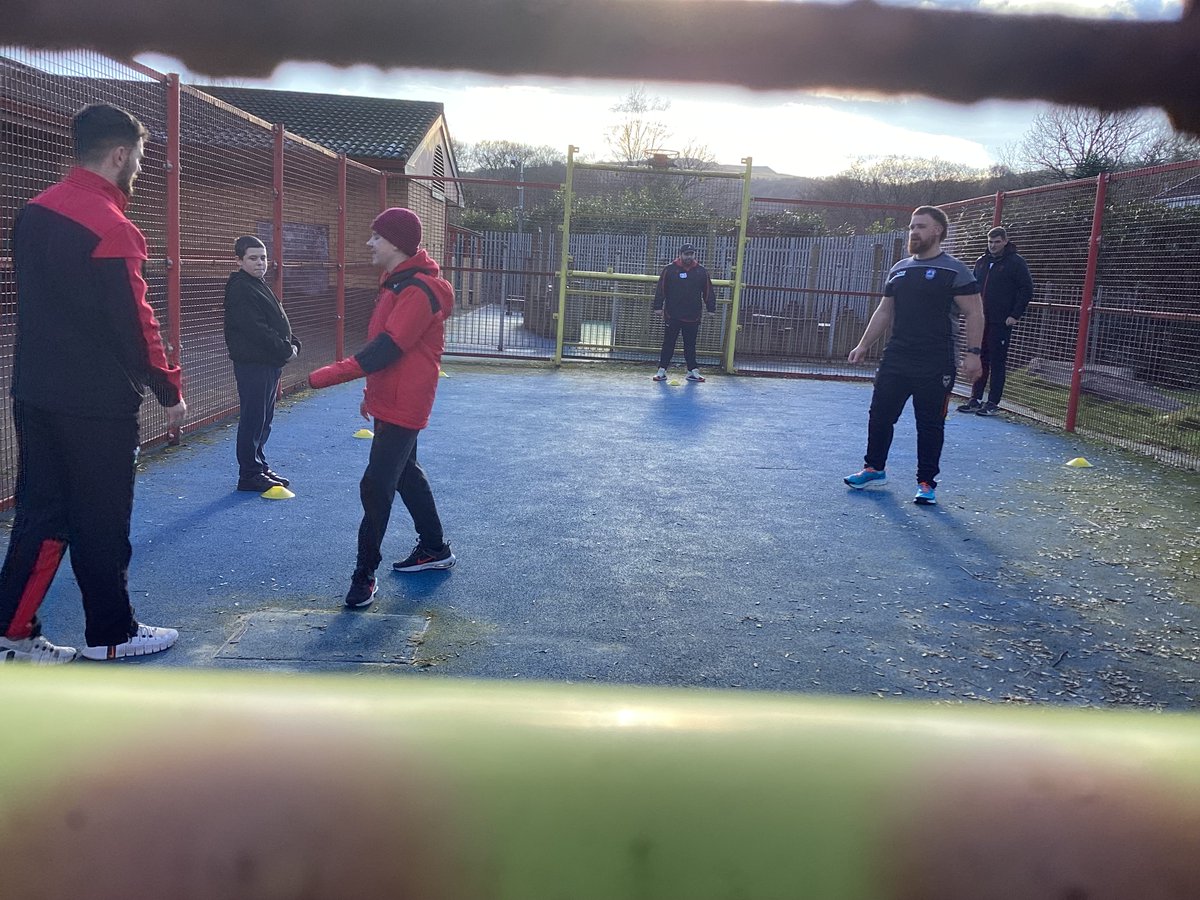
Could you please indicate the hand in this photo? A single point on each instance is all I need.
(857, 354)
(176, 414)
(971, 367)
(660, 313)
(362, 410)
(1010, 321)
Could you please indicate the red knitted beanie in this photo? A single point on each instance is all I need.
(400, 227)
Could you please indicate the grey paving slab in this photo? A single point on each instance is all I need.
(612, 529)
(349, 636)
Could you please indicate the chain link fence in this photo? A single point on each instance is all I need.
(1108, 345)
(502, 256)
(814, 273)
(233, 174)
(41, 92)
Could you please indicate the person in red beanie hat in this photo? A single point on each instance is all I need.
(401, 362)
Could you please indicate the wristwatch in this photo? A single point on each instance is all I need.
(978, 351)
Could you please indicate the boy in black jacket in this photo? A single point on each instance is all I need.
(1007, 287)
(260, 341)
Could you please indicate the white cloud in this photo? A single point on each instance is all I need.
(1145, 10)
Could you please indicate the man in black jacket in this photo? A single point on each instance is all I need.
(87, 348)
(260, 341)
(684, 290)
(1007, 288)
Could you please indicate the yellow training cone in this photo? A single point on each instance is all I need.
(674, 382)
(364, 433)
(279, 492)
(1079, 463)
(442, 374)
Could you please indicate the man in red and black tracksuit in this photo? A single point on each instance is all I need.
(401, 362)
(87, 347)
(684, 291)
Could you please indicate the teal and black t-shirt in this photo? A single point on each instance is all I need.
(923, 293)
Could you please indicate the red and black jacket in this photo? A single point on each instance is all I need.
(405, 339)
(87, 341)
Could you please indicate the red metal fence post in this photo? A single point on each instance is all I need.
(340, 294)
(998, 215)
(174, 241)
(277, 214)
(1085, 303)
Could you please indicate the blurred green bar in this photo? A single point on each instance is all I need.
(132, 781)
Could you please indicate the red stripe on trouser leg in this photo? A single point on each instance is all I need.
(50, 554)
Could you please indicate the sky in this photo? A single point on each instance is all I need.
(792, 132)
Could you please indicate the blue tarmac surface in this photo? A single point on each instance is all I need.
(612, 529)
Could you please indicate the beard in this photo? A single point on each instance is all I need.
(917, 245)
(126, 177)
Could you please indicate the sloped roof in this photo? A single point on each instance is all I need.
(360, 127)
(1185, 190)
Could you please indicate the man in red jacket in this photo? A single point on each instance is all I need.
(401, 362)
(87, 349)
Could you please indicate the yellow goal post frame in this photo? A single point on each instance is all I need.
(565, 272)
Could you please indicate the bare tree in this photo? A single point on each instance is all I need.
(1077, 142)
(639, 130)
(697, 156)
(899, 180)
(494, 156)
(1167, 145)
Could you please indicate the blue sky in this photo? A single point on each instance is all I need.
(798, 133)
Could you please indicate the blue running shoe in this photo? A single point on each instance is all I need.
(925, 495)
(860, 480)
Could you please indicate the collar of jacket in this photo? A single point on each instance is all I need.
(1009, 249)
(90, 181)
(419, 262)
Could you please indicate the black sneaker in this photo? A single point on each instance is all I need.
(362, 591)
(257, 483)
(989, 409)
(275, 476)
(971, 405)
(421, 559)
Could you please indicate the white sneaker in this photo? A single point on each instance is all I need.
(35, 650)
(660, 375)
(147, 640)
(694, 375)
